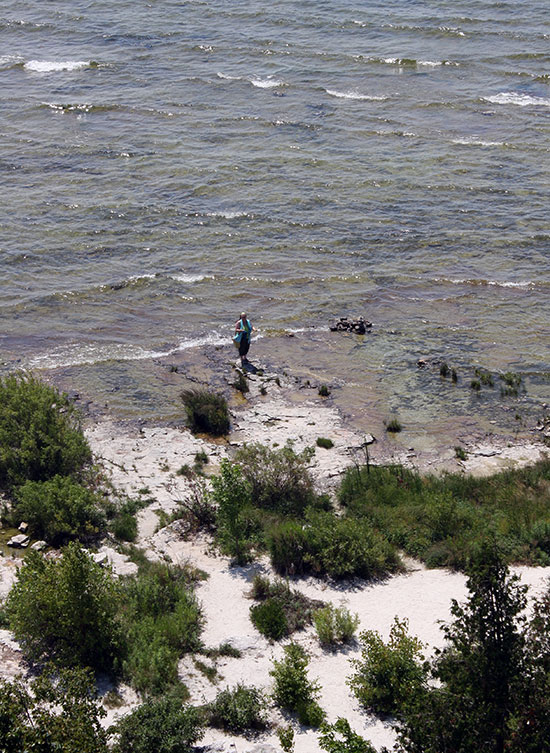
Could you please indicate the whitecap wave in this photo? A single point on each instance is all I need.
(516, 98)
(266, 83)
(226, 77)
(483, 282)
(227, 215)
(190, 278)
(51, 66)
(81, 354)
(354, 95)
(467, 141)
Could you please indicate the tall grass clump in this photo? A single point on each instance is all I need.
(238, 709)
(279, 479)
(441, 520)
(206, 411)
(335, 625)
(329, 545)
(40, 433)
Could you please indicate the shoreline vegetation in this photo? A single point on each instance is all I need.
(245, 548)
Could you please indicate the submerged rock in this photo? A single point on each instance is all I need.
(357, 326)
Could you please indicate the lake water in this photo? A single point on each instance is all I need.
(166, 164)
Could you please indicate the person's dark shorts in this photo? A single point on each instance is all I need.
(244, 346)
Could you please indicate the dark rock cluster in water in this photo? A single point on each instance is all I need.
(357, 326)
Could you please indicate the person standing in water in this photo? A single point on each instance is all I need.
(243, 332)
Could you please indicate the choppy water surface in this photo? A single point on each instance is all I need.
(166, 164)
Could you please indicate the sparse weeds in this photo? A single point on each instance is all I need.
(282, 610)
(394, 426)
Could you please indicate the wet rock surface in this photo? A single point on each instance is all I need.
(357, 326)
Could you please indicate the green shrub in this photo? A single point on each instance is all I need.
(297, 608)
(280, 479)
(58, 510)
(125, 527)
(460, 453)
(55, 712)
(444, 370)
(324, 391)
(393, 426)
(40, 434)
(512, 383)
(231, 492)
(286, 738)
(327, 544)
(162, 620)
(161, 725)
(325, 443)
(238, 709)
(475, 385)
(387, 675)
(335, 625)
(293, 690)
(206, 412)
(240, 383)
(340, 738)
(66, 610)
(269, 618)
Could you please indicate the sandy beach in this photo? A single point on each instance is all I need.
(145, 459)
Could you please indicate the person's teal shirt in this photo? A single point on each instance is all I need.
(247, 331)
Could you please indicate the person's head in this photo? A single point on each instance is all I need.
(243, 316)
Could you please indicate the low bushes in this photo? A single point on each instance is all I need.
(442, 520)
(283, 610)
(335, 625)
(238, 709)
(327, 544)
(162, 725)
(66, 611)
(40, 435)
(279, 479)
(58, 510)
(162, 620)
(388, 674)
(293, 690)
(206, 412)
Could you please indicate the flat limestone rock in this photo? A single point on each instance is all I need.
(20, 541)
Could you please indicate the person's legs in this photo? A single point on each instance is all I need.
(244, 346)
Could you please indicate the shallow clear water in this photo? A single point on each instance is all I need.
(165, 165)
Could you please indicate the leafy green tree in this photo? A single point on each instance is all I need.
(161, 725)
(388, 674)
(231, 492)
(340, 738)
(480, 669)
(59, 712)
(40, 434)
(65, 610)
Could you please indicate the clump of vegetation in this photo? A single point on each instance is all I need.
(40, 434)
(324, 391)
(388, 674)
(331, 545)
(460, 453)
(293, 690)
(340, 738)
(394, 426)
(485, 377)
(206, 411)
(512, 384)
(444, 370)
(327, 444)
(238, 709)
(488, 688)
(454, 376)
(201, 458)
(335, 625)
(279, 479)
(441, 520)
(59, 711)
(161, 620)
(58, 510)
(240, 383)
(66, 611)
(162, 725)
(286, 738)
(475, 385)
(232, 494)
(283, 610)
